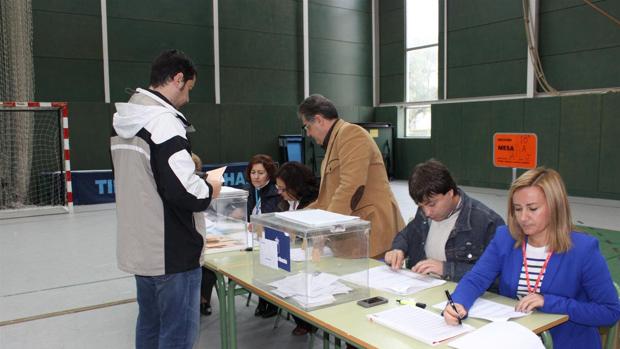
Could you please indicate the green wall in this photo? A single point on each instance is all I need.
(577, 134)
(261, 67)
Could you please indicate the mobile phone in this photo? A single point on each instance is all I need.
(372, 301)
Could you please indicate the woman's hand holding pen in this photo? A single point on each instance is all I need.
(451, 317)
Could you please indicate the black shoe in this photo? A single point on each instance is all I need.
(260, 310)
(205, 309)
(270, 311)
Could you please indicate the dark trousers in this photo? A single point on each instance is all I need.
(207, 284)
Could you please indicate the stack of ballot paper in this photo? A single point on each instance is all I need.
(315, 218)
(417, 323)
(400, 282)
(505, 335)
(310, 290)
(488, 310)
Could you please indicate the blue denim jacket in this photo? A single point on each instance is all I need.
(472, 232)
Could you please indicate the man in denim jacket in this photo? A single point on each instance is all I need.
(450, 230)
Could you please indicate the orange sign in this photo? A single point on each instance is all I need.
(517, 150)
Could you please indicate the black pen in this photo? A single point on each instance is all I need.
(454, 307)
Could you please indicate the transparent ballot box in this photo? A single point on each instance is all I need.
(302, 256)
(225, 222)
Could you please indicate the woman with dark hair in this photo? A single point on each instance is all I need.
(263, 198)
(298, 187)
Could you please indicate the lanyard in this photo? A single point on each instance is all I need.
(257, 209)
(527, 274)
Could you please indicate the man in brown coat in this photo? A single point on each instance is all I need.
(353, 177)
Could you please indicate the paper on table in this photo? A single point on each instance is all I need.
(504, 334)
(489, 310)
(217, 173)
(417, 323)
(310, 290)
(269, 253)
(400, 282)
(315, 218)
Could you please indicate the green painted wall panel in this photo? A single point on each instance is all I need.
(85, 7)
(506, 116)
(207, 140)
(472, 13)
(392, 89)
(258, 86)
(343, 89)
(274, 16)
(542, 117)
(609, 173)
(476, 142)
(489, 43)
(53, 82)
(410, 152)
(339, 24)
(359, 5)
(90, 127)
(580, 137)
(577, 29)
(502, 78)
(447, 132)
(336, 57)
(241, 48)
(154, 37)
(392, 25)
(584, 70)
(392, 58)
(196, 12)
(55, 35)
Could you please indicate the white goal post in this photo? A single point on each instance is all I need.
(35, 168)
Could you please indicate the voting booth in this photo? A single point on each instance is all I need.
(302, 255)
(225, 222)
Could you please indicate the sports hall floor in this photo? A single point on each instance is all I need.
(60, 288)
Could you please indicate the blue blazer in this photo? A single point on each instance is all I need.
(576, 283)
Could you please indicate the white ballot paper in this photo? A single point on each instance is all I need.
(420, 324)
(503, 334)
(488, 310)
(315, 218)
(217, 173)
(401, 282)
(269, 253)
(310, 289)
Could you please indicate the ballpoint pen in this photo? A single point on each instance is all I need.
(458, 316)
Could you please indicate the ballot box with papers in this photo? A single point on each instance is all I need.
(225, 222)
(302, 255)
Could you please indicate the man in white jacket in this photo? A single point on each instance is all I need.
(156, 195)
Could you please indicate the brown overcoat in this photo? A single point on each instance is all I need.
(354, 182)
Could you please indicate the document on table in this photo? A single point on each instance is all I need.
(310, 290)
(489, 310)
(417, 323)
(503, 334)
(401, 282)
(268, 253)
(315, 218)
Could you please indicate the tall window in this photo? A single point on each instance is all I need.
(422, 22)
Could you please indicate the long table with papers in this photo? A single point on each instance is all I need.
(351, 322)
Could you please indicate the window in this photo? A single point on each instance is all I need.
(422, 50)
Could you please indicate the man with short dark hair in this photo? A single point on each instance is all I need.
(450, 229)
(156, 195)
(353, 177)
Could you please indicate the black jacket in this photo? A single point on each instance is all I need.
(269, 198)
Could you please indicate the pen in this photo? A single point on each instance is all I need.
(411, 302)
(454, 307)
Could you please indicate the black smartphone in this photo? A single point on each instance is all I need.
(372, 301)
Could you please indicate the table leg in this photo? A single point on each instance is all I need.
(231, 314)
(220, 288)
(547, 340)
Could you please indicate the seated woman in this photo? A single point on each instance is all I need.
(298, 188)
(544, 263)
(263, 198)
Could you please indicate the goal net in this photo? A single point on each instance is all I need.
(34, 159)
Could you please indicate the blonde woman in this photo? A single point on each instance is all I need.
(543, 262)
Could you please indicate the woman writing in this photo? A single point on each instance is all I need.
(263, 198)
(544, 263)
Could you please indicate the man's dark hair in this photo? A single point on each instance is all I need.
(168, 64)
(267, 163)
(299, 180)
(430, 178)
(317, 104)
